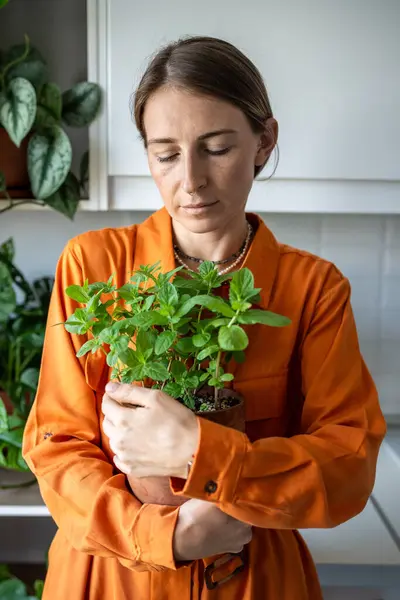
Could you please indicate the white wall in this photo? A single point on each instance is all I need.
(365, 248)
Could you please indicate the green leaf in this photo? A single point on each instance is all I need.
(218, 305)
(3, 184)
(164, 341)
(173, 389)
(8, 299)
(33, 67)
(49, 161)
(233, 338)
(207, 269)
(240, 305)
(121, 343)
(129, 358)
(30, 378)
(192, 381)
(5, 572)
(147, 319)
(201, 339)
(15, 421)
(66, 199)
(38, 587)
(81, 104)
(112, 358)
(168, 295)
(265, 317)
(206, 352)
(212, 303)
(7, 250)
(84, 168)
(3, 3)
(18, 109)
(185, 346)
(178, 369)
(227, 377)
(242, 285)
(137, 373)
(147, 304)
(49, 106)
(77, 293)
(12, 589)
(156, 371)
(13, 437)
(3, 417)
(87, 347)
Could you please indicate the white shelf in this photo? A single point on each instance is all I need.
(20, 502)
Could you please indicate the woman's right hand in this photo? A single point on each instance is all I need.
(203, 530)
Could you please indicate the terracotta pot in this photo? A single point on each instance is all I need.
(156, 490)
(13, 163)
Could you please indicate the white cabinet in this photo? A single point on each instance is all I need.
(330, 69)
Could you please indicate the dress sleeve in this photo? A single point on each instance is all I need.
(90, 504)
(324, 475)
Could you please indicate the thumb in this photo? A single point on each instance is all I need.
(124, 393)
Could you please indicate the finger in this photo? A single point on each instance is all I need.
(111, 409)
(108, 427)
(121, 466)
(130, 394)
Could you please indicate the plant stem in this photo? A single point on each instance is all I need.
(19, 203)
(217, 402)
(16, 61)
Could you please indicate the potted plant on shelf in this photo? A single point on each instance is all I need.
(36, 150)
(12, 587)
(173, 331)
(22, 327)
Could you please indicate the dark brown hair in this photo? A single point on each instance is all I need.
(208, 66)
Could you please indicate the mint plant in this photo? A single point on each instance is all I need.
(170, 331)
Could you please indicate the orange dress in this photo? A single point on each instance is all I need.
(307, 459)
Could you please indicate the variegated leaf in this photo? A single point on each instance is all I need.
(49, 105)
(81, 104)
(18, 109)
(49, 161)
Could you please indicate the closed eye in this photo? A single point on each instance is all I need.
(164, 159)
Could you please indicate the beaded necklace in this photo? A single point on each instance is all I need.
(238, 255)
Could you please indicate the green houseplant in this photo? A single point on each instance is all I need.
(173, 331)
(11, 587)
(32, 107)
(23, 314)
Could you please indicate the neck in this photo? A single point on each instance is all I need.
(211, 245)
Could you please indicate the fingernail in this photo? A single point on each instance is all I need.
(112, 387)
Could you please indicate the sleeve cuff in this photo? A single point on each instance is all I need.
(217, 464)
(153, 536)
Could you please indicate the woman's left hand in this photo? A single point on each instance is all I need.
(150, 433)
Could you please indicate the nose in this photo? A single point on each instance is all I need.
(194, 176)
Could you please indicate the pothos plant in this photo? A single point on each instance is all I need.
(31, 104)
(172, 330)
(23, 314)
(12, 587)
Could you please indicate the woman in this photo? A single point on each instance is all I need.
(314, 425)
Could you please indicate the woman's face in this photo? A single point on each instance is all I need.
(202, 153)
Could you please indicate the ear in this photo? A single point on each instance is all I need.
(267, 142)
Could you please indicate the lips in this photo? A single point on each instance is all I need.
(196, 206)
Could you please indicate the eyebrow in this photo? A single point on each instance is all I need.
(204, 136)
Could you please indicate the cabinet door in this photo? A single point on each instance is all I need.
(330, 69)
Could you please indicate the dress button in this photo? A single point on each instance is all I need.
(211, 487)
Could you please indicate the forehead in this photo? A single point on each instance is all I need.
(174, 112)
